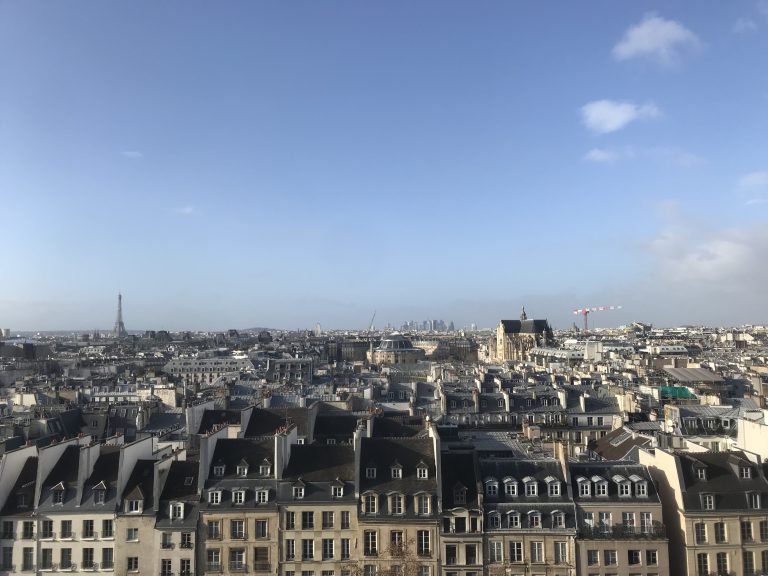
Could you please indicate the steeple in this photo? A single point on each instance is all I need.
(119, 330)
(523, 315)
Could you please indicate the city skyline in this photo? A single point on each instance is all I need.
(286, 165)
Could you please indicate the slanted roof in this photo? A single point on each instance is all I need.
(321, 462)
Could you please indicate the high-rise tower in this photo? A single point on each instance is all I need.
(119, 330)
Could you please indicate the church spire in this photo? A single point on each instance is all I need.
(523, 315)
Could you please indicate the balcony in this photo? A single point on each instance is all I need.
(67, 535)
(238, 567)
(213, 567)
(262, 567)
(28, 568)
(48, 536)
(28, 536)
(89, 536)
(214, 535)
(167, 545)
(89, 566)
(618, 532)
(188, 545)
(8, 536)
(71, 567)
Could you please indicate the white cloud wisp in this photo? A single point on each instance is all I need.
(657, 38)
(605, 116)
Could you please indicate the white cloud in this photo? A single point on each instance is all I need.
(754, 180)
(601, 155)
(132, 154)
(744, 25)
(186, 210)
(657, 38)
(604, 116)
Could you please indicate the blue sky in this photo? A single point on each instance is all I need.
(231, 164)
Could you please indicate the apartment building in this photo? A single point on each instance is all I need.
(530, 518)
(716, 508)
(178, 513)
(18, 482)
(398, 504)
(619, 520)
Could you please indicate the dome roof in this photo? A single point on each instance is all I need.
(395, 342)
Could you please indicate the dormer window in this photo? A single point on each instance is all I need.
(370, 472)
(491, 487)
(214, 497)
(459, 495)
(238, 497)
(584, 487)
(601, 486)
(553, 486)
(753, 498)
(265, 468)
(370, 504)
(494, 520)
(641, 489)
(242, 470)
(534, 519)
(337, 491)
(422, 472)
(708, 501)
(745, 472)
(701, 473)
(21, 500)
(262, 496)
(133, 506)
(625, 489)
(58, 496)
(177, 511)
(99, 496)
(558, 519)
(531, 486)
(298, 492)
(218, 470)
(397, 471)
(513, 518)
(188, 480)
(510, 487)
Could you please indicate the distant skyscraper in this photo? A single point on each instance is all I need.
(119, 330)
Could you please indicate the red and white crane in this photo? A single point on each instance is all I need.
(587, 311)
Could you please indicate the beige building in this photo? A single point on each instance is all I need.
(514, 338)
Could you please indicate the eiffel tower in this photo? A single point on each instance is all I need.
(119, 330)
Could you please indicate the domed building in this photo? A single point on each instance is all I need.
(395, 349)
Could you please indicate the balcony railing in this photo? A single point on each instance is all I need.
(7, 568)
(8, 536)
(619, 532)
(48, 536)
(213, 567)
(451, 560)
(167, 545)
(89, 536)
(28, 536)
(214, 535)
(89, 566)
(71, 567)
(28, 568)
(370, 552)
(67, 535)
(262, 566)
(238, 567)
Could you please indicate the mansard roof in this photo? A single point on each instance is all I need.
(321, 462)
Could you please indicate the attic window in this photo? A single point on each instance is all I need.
(337, 491)
(238, 497)
(460, 495)
(58, 496)
(214, 497)
(370, 472)
(99, 496)
(177, 511)
(641, 488)
(745, 472)
(701, 473)
(21, 500)
(262, 496)
(218, 471)
(242, 470)
(298, 492)
(397, 471)
(510, 487)
(188, 480)
(422, 473)
(133, 507)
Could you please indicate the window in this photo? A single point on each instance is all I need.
(633, 557)
(494, 551)
(746, 531)
(754, 500)
(553, 489)
(514, 520)
(66, 528)
(422, 504)
(298, 492)
(628, 521)
(107, 558)
(307, 549)
(397, 471)
(370, 472)
(27, 558)
(537, 551)
(702, 564)
(214, 497)
(422, 473)
(397, 504)
(610, 558)
(764, 530)
(47, 529)
(646, 522)
(515, 551)
(491, 489)
(214, 529)
(700, 529)
(218, 471)
(460, 495)
(345, 548)
(722, 562)
(186, 540)
(264, 469)
(534, 520)
(651, 557)
(370, 543)
(307, 520)
(238, 497)
(327, 548)
(88, 529)
(87, 557)
(494, 520)
(236, 559)
(237, 529)
(589, 519)
(745, 472)
(764, 560)
(242, 470)
(531, 489)
(748, 561)
(262, 496)
(641, 489)
(107, 528)
(337, 491)
(625, 489)
(369, 570)
(345, 517)
(605, 521)
(558, 520)
(262, 529)
(584, 489)
(601, 488)
(701, 473)
(132, 563)
(65, 558)
(510, 488)
(720, 533)
(328, 518)
(561, 552)
(422, 543)
(58, 496)
(593, 557)
(290, 520)
(290, 548)
(708, 502)
(46, 558)
(28, 530)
